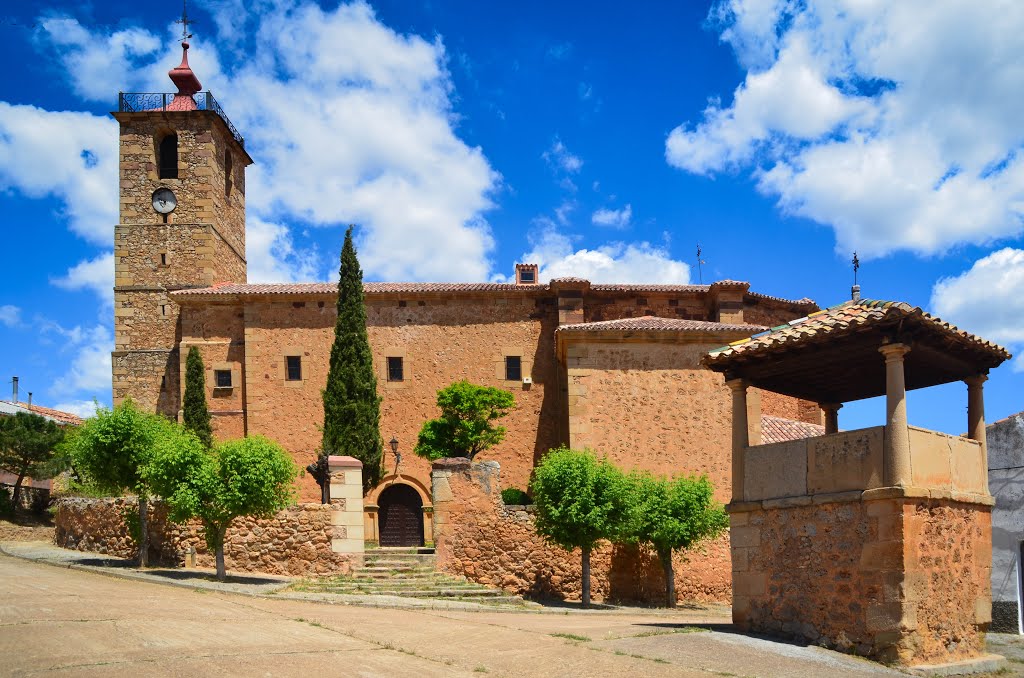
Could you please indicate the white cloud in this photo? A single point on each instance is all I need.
(83, 408)
(615, 218)
(561, 158)
(611, 263)
(351, 122)
(67, 155)
(987, 299)
(96, 63)
(93, 274)
(90, 371)
(10, 315)
(273, 257)
(838, 118)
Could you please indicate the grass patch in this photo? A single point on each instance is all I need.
(666, 632)
(480, 669)
(571, 636)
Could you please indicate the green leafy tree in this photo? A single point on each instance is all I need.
(28, 445)
(579, 501)
(673, 515)
(195, 413)
(111, 450)
(466, 425)
(351, 403)
(248, 477)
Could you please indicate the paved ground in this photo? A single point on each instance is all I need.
(60, 621)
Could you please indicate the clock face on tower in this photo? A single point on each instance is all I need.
(164, 201)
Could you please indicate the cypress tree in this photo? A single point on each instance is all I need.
(351, 403)
(196, 416)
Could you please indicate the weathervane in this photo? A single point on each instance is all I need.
(700, 264)
(184, 21)
(855, 291)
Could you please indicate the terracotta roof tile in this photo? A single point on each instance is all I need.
(63, 418)
(780, 429)
(650, 323)
(839, 320)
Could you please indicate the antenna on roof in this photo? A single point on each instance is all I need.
(184, 21)
(855, 290)
(700, 264)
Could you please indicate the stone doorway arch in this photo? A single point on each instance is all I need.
(400, 512)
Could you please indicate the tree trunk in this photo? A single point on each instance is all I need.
(221, 533)
(670, 578)
(586, 576)
(16, 496)
(143, 532)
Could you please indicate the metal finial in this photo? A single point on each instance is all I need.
(184, 21)
(700, 264)
(856, 267)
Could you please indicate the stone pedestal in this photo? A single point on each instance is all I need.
(346, 475)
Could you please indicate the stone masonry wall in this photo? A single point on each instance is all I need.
(439, 340)
(478, 537)
(897, 580)
(296, 542)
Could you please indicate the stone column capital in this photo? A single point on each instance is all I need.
(894, 352)
(737, 384)
(977, 381)
(831, 407)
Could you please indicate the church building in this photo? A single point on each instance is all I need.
(612, 367)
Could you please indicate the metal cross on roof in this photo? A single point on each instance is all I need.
(184, 21)
(856, 267)
(700, 264)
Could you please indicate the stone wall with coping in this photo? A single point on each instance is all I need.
(478, 537)
(296, 542)
(1006, 482)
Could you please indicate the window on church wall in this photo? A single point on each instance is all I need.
(228, 170)
(222, 378)
(293, 368)
(167, 156)
(513, 368)
(396, 369)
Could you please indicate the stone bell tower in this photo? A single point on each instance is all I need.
(182, 225)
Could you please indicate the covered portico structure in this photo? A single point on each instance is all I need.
(875, 541)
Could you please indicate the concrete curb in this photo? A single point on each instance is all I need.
(384, 602)
(989, 663)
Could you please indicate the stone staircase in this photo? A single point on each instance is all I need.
(410, 572)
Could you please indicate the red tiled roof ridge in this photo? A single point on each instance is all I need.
(659, 324)
(845, 316)
(782, 429)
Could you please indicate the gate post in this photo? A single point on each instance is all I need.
(346, 486)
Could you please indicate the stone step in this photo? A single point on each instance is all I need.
(484, 594)
(411, 585)
(401, 550)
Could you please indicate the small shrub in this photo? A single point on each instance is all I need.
(513, 496)
(6, 505)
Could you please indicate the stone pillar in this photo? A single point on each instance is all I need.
(740, 434)
(976, 414)
(831, 411)
(896, 449)
(346, 474)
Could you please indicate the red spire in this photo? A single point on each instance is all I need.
(186, 82)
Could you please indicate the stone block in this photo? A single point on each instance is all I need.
(886, 555)
(740, 558)
(983, 610)
(884, 617)
(348, 546)
(969, 473)
(346, 518)
(745, 537)
(774, 471)
(750, 584)
(347, 492)
(845, 461)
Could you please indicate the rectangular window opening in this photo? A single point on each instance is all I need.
(513, 368)
(293, 368)
(163, 258)
(396, 370)
(526, 275)
(163, 309)
(222, 378)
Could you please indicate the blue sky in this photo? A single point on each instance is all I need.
(602, 140)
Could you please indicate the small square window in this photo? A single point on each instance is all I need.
(513, 368)
(293, 371)
(222, 378)
(526, 275)
(396, 370)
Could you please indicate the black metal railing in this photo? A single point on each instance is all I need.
(134, 102)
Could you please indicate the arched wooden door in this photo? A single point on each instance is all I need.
(401, 516)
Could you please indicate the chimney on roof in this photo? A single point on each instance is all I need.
(526, 274)
(855, 293)
(15, 382)
(30, 400)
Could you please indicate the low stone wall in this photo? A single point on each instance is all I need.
(297, 541)
(901, 579)
(478, 537)
(34, 499)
